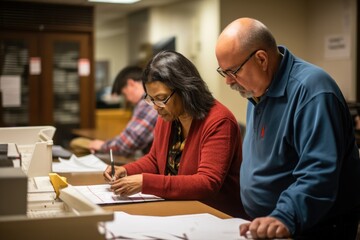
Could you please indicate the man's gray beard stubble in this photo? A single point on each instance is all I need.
(244, 93)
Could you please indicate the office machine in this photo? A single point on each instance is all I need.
(9, 155)
(25, 153)
(38, 204)
(13, 191)
(35, 146)
(70, 216)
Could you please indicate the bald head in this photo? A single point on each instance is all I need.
(242, 36)
(242, 41)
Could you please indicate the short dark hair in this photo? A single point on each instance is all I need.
(180, 74)
(133, 72)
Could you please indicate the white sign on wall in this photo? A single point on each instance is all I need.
(337, 47)
(35, 66)
(84, 67)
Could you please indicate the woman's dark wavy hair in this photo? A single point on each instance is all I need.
(179, 74)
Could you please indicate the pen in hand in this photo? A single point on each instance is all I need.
(112, 166)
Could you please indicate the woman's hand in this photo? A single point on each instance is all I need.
(126, 186)
(120, 172)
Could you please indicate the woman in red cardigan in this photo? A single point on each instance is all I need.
(196, 152)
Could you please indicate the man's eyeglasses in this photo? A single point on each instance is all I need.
(232, 73)
(149, 100)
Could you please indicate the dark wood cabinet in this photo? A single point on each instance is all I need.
(54, 67)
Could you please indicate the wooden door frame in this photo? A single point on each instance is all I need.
(87, 92)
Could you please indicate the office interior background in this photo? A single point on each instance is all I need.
(302, 25)
(323, 32)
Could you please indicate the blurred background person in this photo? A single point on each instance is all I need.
(138, 133)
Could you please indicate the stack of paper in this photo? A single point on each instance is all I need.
(88, 163)
(194, 226)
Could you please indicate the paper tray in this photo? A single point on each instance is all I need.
(74, 217)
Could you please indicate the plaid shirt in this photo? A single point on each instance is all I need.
(138, 133)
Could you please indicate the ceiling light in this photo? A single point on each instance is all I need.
(115, 1)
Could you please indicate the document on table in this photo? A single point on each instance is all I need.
(101, 194)
(193, 226)
(88, 163)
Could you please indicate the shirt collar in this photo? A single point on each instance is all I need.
(279, 83)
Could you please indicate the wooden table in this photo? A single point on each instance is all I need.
(109, 123)
(161, 208)
(97, 134)
(119, 160)
(92, 133)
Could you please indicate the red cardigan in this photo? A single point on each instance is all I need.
(209, 165)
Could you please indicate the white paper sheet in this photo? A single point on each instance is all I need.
(11, 90)
(193, 226)
(101, 194)
(88, 163)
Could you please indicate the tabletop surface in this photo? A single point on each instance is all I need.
(160, 208)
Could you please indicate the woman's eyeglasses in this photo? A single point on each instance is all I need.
(149, 100)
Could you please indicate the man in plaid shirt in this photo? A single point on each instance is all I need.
(138, 133)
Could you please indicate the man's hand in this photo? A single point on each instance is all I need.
(265, 227)
(95, 145)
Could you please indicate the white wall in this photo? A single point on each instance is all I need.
(111, 45)
(334, 18)
(138, 36)
(195, 24)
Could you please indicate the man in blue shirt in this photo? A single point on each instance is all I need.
(300, 175)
